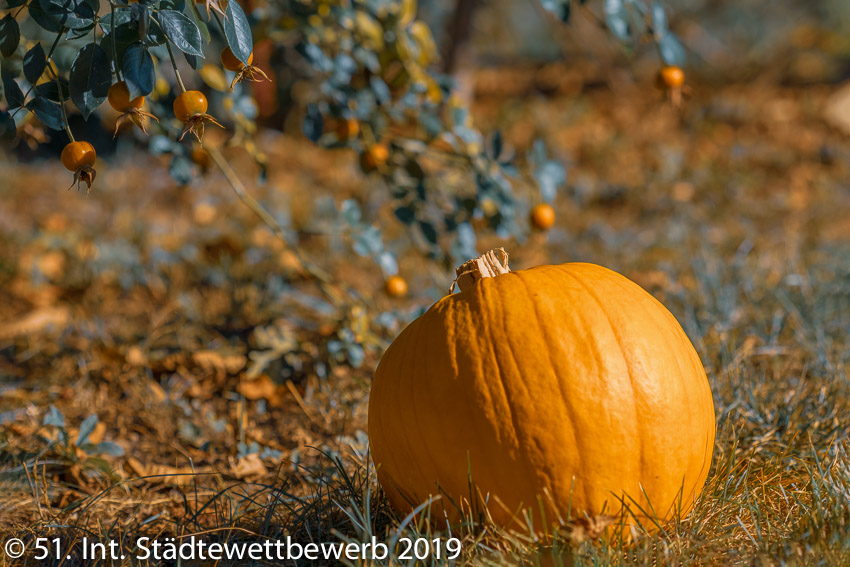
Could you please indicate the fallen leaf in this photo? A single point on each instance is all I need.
(44, 319)
(213, 360)
(261, 388)
(249, 465)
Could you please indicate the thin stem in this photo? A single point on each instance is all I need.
(174, 64)
(55, 44)
(114, 41)
(171, 56)
(323, 278)
(62, 104)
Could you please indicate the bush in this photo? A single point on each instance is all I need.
(373, 90)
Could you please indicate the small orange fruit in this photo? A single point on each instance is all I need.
(243, 72)
(348, 129)
(190, 107)
(79, 157)
(230, 62)
(374, 157)
(670, 77)
(119, 98)
(190, 104)
(78, 154)
(543, 216)
(395, 286)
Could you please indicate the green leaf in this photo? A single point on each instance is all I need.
(14, 94)
(10, 35)
(54, 417)
(429, 232)
(238, 32)
(72, 14)
(313, 123)
(406, 215)
(202, 26)
(90, 79)
(178, 5)
(659, 17)
(617, 19)
(381, 90)
(464, 244)
(48, 112)
(350, 211)
(109, 448)
(79, 33)
(193, 61)
(138, 70)
(550, 175)
(50, 90)
(125, 35)
(182, 32)
(560, 8)
(672, 50)
(388, 263)
(42, 18)
(121, 17)
(86, 429)
(35, 62)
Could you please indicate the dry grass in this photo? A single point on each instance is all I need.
(734, 215)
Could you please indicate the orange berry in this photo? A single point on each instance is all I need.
(348, 129)
(670, 77)
(119, 98)
(77, 155)
(395, 286)
(374, 157)
(543, 216)
(190, 104)
(230, 62)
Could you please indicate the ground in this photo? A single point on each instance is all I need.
(149, 305)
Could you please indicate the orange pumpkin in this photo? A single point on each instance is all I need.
(564, 385)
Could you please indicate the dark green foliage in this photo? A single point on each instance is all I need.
(138, 70)
(47, 111)
(181, 31)
(35, 62)
(90, 78)
(11, 91)
(365, 62)
(10, 35)
(238, 32)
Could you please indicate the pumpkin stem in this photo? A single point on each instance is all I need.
(489, 265)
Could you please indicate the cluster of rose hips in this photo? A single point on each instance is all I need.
(190, 108)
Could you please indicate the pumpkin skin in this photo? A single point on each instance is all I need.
(568, 384)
